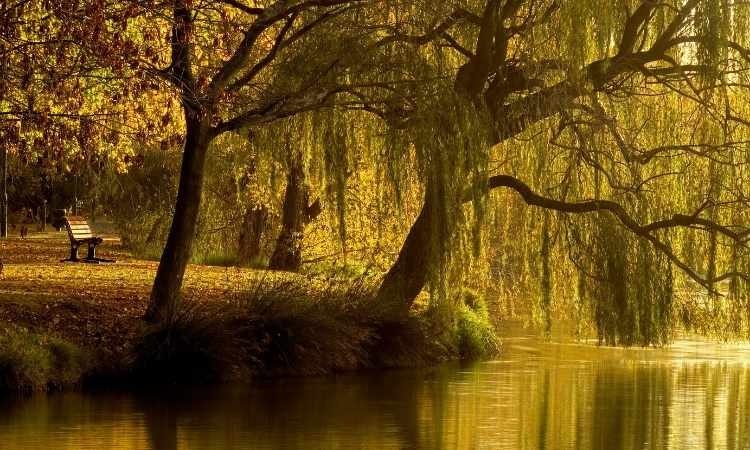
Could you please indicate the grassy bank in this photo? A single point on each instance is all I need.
(70, 324)
(32, 362)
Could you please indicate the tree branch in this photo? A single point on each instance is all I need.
(644, 231)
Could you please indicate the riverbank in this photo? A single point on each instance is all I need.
(64, 324)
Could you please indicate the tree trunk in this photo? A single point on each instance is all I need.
(251, 234)
(165, 295)
(3, 192)
(408, 275)
(287, 254)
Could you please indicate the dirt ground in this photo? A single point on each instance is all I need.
(95, 305)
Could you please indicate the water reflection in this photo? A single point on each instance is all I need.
(538, 396)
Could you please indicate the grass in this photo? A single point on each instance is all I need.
(475, 334)
(32, 362)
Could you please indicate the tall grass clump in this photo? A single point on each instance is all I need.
(32, 362)
(475, 334)
(321, 326)
(200, 344)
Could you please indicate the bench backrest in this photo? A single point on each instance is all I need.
(78, 228)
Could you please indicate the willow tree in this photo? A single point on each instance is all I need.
(634, 101)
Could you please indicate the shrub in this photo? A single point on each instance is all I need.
(475, 334)
(304, 326)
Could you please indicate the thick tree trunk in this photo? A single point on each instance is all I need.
(165, 295)
(287, 254)
(251, 234)
(408, 275)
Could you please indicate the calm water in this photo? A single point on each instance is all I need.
(538, 396)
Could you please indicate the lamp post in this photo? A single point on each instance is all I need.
(44, 215)
(3, 191)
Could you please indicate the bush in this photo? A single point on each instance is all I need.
(475, 334)
(33, 362)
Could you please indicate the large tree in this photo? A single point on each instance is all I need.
(633, 101)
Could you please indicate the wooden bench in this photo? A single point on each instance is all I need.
(80, 233)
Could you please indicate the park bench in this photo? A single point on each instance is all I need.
(80, 233)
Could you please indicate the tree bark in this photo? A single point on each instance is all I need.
(296, 213)
(251, 234)
(165, 296)
(408, 275)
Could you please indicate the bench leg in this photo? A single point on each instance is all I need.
(73, 254)
(91, 255)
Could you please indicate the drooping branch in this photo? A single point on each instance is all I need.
(281, 42)
(644, 231)
(278, 109)
(456, 17)
(515, 117)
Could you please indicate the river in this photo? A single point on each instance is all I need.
(538, 395)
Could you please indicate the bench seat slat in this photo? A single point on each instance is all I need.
(79, 230)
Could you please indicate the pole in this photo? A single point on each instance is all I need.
(3, 192)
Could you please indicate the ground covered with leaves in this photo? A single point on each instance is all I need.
(95, 306)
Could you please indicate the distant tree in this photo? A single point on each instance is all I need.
(65, 112)
(297, 210)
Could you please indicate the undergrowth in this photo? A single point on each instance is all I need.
(321, 327)
(476, 336)
(33, 362)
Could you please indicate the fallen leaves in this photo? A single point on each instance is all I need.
(98, 306)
